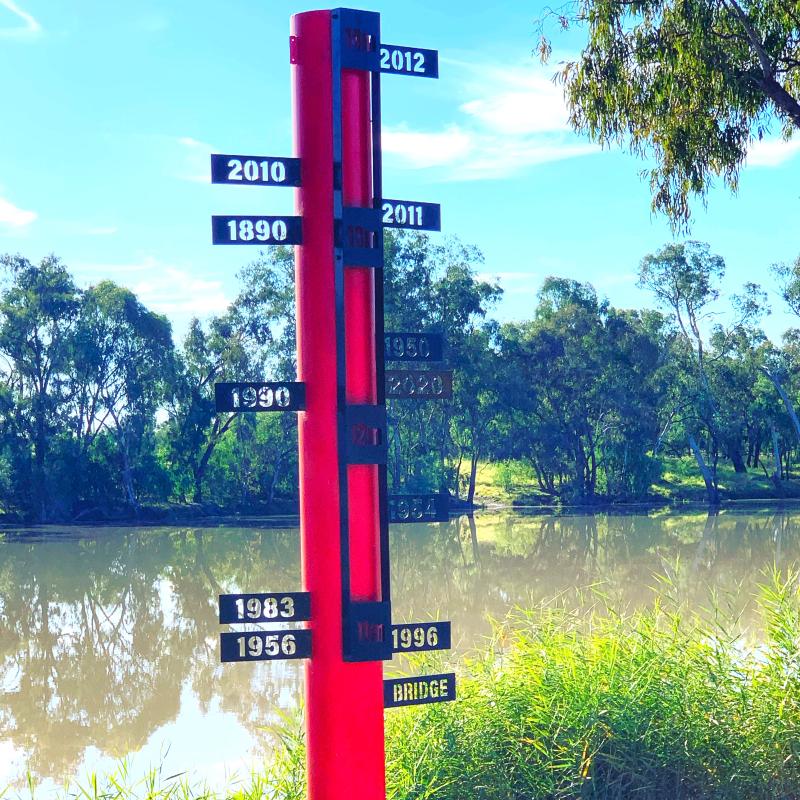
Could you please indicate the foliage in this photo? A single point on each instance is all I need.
(689, 84)
(101, 415)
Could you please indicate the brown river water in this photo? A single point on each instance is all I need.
(109, 636)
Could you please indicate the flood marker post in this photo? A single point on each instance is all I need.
(337, 59)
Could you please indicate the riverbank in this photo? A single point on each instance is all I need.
(560, 706)
(514, 483)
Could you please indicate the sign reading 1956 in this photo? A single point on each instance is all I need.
(256, 230)
(267, 607)
(270, 396)
(265, 645)
(255, 170)
(411, 214)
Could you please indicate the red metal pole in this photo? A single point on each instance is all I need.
(344, 701)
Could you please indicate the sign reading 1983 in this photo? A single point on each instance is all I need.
(265, 607)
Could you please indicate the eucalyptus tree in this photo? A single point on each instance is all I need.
(39, 306)
(253, 340)
(436, 288)
(581, 396)
(687, 84)
(684, 277)
(124, 371)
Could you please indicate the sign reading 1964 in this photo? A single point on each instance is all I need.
(270, 396)
(266, 607)
(418, 507)
(265, 645)
(256, 230)
(255, 170)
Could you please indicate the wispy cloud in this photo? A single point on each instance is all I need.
(30, 27)
(772, 152)
(13, 216)
(195, 160)
(109, 230)
(166, 288)
(514, 117)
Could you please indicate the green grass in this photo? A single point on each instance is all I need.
(510, 482)
(561, 705)
(655, 705)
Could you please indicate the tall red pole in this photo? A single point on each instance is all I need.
(344, 701)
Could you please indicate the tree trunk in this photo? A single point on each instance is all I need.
(735, 454)
(711, 489)
(785, 398)
(776, 450)
(473, 474)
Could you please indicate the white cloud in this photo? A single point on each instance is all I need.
(29, 29)
(515, 117)
(420, 149)
(196, 154)
(108, 230)
(175, 292)
(508, 277)
(168, 289)
(13, 216)
(772, 152)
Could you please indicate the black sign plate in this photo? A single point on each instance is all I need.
(411, 214)
(257, 230)
(365, 434)
(415, 691)
(360, 235)
(418, 384)
(367, 626)
(415, 636)
(416, 61)
(359, 34)
(269, 607)
(407, 346)
(418, 508)
(270, 396)
(255, 170)
(265, 645)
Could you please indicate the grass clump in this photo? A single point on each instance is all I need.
(653, 705)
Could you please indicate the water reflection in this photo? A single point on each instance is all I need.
(105, 633)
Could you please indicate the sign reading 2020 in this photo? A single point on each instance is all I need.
(342, 619)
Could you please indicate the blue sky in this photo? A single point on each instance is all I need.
(110, 111)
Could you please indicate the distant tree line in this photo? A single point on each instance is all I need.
(102, 414)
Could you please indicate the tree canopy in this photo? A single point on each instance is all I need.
(688, 83)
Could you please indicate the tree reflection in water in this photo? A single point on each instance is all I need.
(101, 630)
